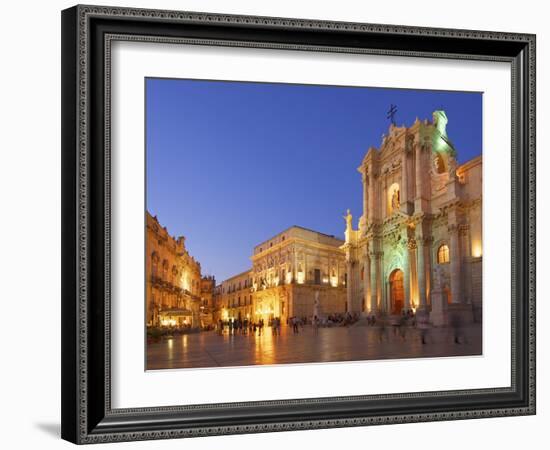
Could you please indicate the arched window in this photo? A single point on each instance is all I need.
(443, 254)
(439, 164)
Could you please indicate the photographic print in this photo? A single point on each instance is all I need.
(296, 223)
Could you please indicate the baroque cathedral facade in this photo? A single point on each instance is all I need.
(418, 244)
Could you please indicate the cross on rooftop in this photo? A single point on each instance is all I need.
(391, 113)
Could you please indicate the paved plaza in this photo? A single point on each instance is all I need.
(359, 342)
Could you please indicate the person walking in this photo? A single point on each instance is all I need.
(315, 325)
(423, 324)
(403, 326)
(382, 329)
(456, 326)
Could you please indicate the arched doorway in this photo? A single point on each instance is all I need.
(397, 292)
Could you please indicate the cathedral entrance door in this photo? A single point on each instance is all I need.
(397, 293)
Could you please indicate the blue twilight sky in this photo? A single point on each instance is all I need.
(231, 164)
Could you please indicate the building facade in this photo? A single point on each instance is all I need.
(235, 297)
(208, 285)
(173, 279)
(293, 268)
(418, 244)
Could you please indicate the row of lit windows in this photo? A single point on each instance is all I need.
(442, 258)
(238, 286)
(237, 302)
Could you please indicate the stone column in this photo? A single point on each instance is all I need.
(429, 268)
(366, 279)
(407, 277)
(419, 174)
(421, 272)
(304, 253)
(371, 196)
(349, 284)
(456, 288)
(404, 182)
(373, 282)
(379, 285)
(384, 203)
(366, 212)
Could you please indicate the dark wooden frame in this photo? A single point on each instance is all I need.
(87, 416)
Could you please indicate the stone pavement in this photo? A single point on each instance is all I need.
(208, 349)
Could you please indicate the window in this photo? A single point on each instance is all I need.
(439, 164)
(317, 276)
(443, 254)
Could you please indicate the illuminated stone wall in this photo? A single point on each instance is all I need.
(173, 278)
(289, 268)
(208, 285)
(286, 272)
(235, 297)
(416, 198)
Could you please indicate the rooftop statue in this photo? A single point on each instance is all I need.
(440, 142)
(348, 218)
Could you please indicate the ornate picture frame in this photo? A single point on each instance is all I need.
(87, 412)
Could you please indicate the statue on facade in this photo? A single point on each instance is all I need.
(395, 203)
(348, 218)
(316, 305)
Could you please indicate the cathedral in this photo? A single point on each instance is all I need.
(418, 245)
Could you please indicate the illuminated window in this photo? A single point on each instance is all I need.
(443, 254)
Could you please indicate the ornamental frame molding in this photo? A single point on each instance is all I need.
(84, 14)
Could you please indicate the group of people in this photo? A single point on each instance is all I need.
(240, 326)
(296, 323)
(246, 326)
(409, 319)
(339, 319)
